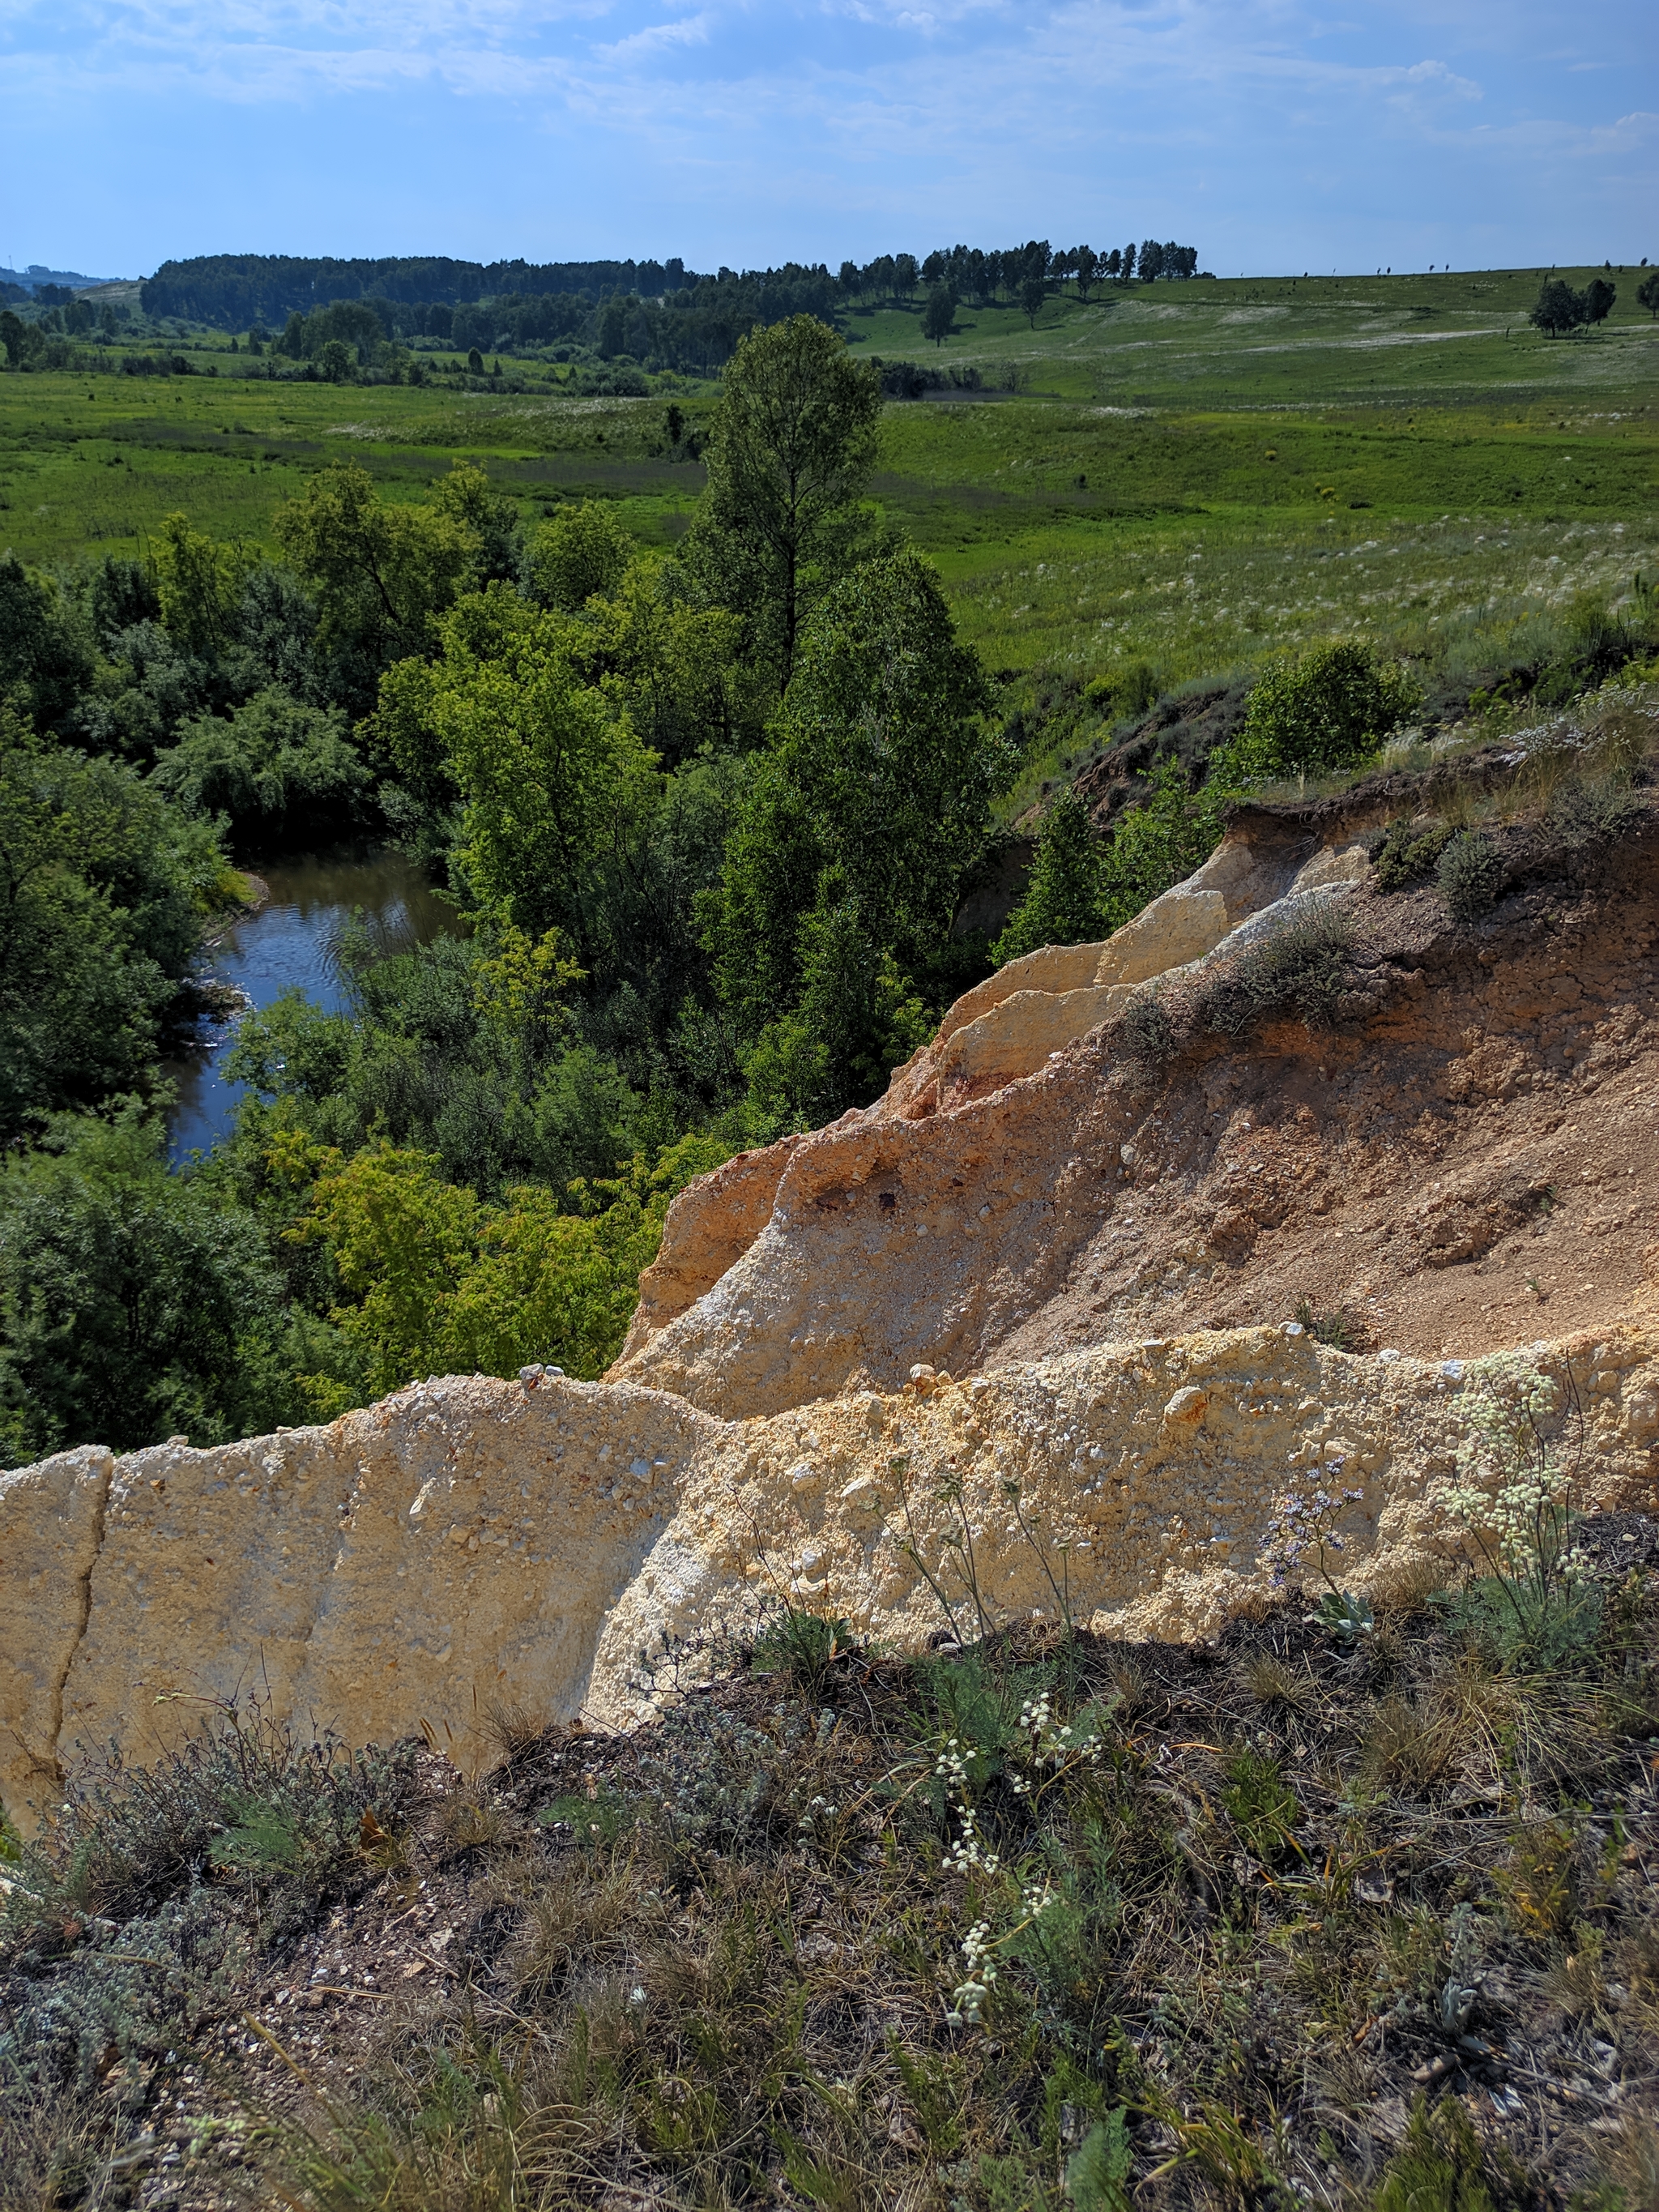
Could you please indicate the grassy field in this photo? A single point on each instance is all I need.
(1262, 342)
(1188, 476)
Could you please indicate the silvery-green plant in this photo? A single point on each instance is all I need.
(1518, 1498)
(1043, 1749)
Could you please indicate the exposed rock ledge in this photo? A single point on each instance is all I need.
(1014, 1206)
(470, 1543)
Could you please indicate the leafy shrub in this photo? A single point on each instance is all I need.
(438, 1283)
(1315, 714)
(717, 1782)
(282, 772)
(281, 1817)
(134, 1301)
(1158, 843)
(1470, 876)
(1588, 811)
(107, 889)
(1302, 965)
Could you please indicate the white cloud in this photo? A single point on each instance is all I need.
(1440, 78)
(655, 38)
(805, 123)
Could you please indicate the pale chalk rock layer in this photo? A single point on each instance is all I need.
(741, 1312)
(472, 1546)
(452, 1549)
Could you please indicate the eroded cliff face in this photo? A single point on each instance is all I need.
(472, 1546)
(1469, 1159)
(1104, 1257)
(454, 1548)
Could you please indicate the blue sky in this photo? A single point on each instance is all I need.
(1272, 134)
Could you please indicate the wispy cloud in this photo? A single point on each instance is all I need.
(755, 127)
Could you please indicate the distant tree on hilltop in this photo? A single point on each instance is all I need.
(1599, 296)
(1560, 308)
(939, 316)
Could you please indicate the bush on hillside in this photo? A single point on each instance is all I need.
(1316, 713)
(1404, 851)
(1470, 876)
(1302, 967)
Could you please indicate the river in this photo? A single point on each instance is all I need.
(294, 939)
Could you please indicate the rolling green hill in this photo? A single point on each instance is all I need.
(1183, 477)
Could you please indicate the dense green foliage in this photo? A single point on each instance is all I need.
(134, 1304)
(1312, 713)
(281, 772)
(708, 819)
(104, 889)
(831, 927)
(710, 799)
(1081, 889)
(1560, 308)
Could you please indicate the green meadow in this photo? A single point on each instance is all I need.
(1182, 477)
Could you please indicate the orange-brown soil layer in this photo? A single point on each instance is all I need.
(1475, 1167)
(1467, 1158)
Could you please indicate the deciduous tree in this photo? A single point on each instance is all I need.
(792, 445)
(864, 821)
(939, 316)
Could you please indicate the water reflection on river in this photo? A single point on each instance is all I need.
(293, 940)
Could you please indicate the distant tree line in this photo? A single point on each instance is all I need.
(40, 341)
(657, 311)
(695, 329)
(236, 291)
(984, 277)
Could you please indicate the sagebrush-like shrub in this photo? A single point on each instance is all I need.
(1405, 852)
(1146, 1034)
(1470, 876)
(1302, 967)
